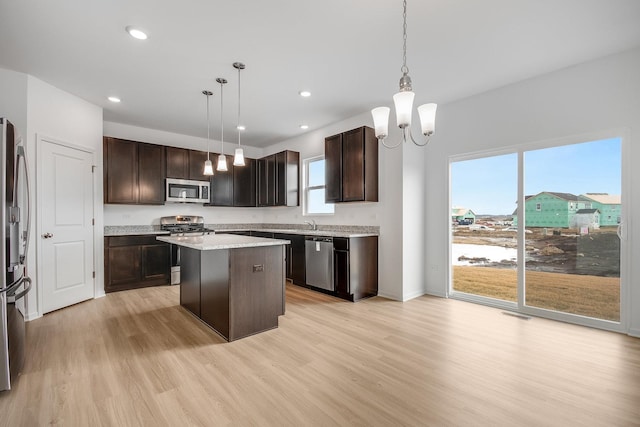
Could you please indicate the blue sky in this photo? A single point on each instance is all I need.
(490, 185)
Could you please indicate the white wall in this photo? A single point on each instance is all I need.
(13, 98)
(64, 117)
(586, 99)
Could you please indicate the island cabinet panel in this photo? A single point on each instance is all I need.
(237, 292)
(214, 291)
(135, 261)
(177, 162)
(190, 280)
(351, 166)
(256, 290)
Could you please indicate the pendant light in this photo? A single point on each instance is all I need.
(208, 167)
(403, 102)
(238, 158)
(222, 159)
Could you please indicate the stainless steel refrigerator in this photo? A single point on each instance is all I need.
(15, 284)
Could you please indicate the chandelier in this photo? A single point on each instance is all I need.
(403, 101)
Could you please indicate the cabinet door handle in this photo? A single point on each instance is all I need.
(47, 235)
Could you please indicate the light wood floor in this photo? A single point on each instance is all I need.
(138, 358)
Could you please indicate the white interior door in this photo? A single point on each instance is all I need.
(65, 205)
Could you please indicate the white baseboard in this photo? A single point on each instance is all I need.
(634, 333)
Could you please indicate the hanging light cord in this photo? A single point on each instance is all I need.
(404, 68)
(221, 118)
(238, 127)
(208, 143)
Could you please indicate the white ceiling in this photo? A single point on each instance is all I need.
(347, 53)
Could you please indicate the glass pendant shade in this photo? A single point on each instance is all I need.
(381, 121)
(238, 157)
(222, 163)
(208, 168)
(404, 103)
(427, 114)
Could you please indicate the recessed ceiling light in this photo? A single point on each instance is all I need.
(304, 126)
(114, 99)
(136, 33)
(304, 93)
(240, 127)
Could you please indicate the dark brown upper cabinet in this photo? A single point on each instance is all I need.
(333, 168)
(278, 179)
(177, 162)
(244, 184)
(351, 166)
(235, 187)
(196, 164)
(134, 172)
(221, 185)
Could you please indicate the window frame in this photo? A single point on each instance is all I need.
(306, 188)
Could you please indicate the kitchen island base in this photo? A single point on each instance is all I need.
(237, 292)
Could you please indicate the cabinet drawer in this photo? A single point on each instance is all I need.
(340, 244)
(115, 241)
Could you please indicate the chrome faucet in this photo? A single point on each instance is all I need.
(312, 224)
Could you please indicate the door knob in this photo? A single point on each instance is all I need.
(47, 235)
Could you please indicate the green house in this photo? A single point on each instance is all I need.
(551, 209)
(610, 207)
(559, 210)
(462, 214)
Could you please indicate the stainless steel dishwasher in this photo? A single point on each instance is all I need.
(319, 262)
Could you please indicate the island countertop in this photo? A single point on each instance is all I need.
(212, 242)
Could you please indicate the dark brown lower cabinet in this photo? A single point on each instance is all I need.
(132, 262)
(295, 257)
(355, 267)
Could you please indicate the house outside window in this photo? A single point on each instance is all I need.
(314, 188)
(538, 207)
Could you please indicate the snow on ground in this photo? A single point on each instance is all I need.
(492, 253)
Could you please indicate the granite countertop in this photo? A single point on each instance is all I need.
(130, 230)
(304, 232)
(325, 230)
(221, 241)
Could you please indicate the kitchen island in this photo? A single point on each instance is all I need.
(234, 284)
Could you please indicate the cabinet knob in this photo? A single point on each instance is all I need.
(47, 235)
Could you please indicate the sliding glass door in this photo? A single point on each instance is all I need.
(573, 206)
(560, 256)
(484, 245)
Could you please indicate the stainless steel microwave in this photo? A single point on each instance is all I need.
(187, 191)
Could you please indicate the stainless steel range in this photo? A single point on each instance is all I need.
(182, 225)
